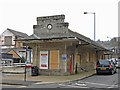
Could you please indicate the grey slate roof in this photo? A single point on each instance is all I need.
(69, 34)
(86, 39)
(18, 34)
(51, 36)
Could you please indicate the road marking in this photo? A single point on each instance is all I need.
(113, 86)
(97, 84)
(109, 86)
(80, 84)
(73, 86)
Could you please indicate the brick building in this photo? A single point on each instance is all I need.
(59, 51)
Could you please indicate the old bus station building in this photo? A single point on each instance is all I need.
(59, 51)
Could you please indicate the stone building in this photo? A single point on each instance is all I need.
(115, 45)
(59, 51)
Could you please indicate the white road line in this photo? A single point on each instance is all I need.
(73, 86)
(97, 84)
(80, 84)
(113, 86)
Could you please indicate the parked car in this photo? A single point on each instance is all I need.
(114, 60)
(118, 63)
(105, 66)
(26, 64)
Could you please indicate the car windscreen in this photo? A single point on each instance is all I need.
(103, 62)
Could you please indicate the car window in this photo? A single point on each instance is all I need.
(118, 60)
(103, 62)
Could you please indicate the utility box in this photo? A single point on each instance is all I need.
(34, 71)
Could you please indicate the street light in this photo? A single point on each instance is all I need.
(94, 22)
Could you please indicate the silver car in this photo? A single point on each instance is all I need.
(118, 63)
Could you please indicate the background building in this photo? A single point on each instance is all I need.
(10, 46)
(112, 45)
(8, 36)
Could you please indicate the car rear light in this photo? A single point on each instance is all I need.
(28, 66)
(96, 66)
(110, 66)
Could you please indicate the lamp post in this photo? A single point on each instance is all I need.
(25, 66)
(94, 22)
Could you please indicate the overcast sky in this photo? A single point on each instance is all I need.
(21, 15)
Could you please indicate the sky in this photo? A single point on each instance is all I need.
(20, 15)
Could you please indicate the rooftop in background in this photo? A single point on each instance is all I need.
(17, 33)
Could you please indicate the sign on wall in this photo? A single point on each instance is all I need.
(64, 57)
(43, 59)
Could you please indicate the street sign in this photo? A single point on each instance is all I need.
(64, 57)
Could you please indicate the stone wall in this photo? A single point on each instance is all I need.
(56, 23)
(87, 55)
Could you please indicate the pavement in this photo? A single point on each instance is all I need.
(19, 79)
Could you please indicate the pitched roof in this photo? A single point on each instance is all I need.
(18, 34)
(86, 39)
(16, 50)
(69, 34)
(51, 36)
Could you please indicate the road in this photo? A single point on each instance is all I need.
(95, 81)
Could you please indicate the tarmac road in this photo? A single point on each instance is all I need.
(95, 81)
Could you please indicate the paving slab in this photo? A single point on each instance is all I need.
(43, 79)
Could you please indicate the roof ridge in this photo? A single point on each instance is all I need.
(15, 31)
(87, 39)
(18, 33)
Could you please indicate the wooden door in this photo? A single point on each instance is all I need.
(54, 59)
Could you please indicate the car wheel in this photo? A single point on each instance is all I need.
(97, 73)
(115, 71)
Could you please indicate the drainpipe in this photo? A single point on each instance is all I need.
(66, 60)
